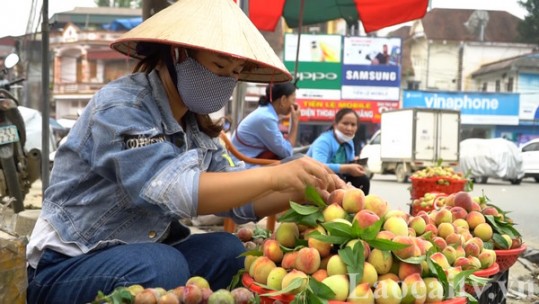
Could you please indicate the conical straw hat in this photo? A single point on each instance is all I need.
(215, 25)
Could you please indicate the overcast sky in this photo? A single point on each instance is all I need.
(14, 17)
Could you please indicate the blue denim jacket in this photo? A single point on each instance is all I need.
(325, 147)
(128, 169)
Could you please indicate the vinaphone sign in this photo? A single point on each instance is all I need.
(362, 73)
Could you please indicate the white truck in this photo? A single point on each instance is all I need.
(412, 139)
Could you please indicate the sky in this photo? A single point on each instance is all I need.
(15, 19)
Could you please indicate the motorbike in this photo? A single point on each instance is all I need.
(15, 180)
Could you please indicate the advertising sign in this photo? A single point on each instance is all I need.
(475, 108)
(529, 99)
(319, 64)
(325, 110)
(371, 68)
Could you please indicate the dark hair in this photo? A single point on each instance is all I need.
(154, 54)
(278, 90)
(341, 113)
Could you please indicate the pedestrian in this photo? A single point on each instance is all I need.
(335, 147)
(258, 135)
(145, 154)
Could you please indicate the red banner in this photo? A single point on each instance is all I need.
(325, 110)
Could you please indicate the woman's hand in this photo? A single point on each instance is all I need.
(295, 113)
(353, 169)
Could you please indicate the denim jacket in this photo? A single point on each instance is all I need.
(128, 169)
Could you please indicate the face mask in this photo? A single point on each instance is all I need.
(202, 91)
(341, 137)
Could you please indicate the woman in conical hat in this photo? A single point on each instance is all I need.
(144, 155)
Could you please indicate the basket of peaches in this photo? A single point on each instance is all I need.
(353, 248)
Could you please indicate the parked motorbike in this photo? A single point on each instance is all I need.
(15, 181)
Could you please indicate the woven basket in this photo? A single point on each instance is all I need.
(420, 186)
(507, 257)
(250, 284)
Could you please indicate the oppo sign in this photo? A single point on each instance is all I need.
(317, 76)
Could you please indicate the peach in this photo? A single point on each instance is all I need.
(397, 213)
(411, 232)
(261, 268)
(458, 213)
(323, 248)
(460, 251)
(440, 259)
(370, 275)
(396, 225)
(361, 294)
(475, 218)
(353, 200)
(336, 197)
(381, 260)
(242, 295)
(332, 212)
(450, 254)
(366, 218)
(432, 229)
(406, 252)
(418, 224)
(443, 216)
(390, 276)
(336, 266)
(376, 204)
(414, 289)
(449, 200)
(293, 274)
(439, 242)
(463, 200)
(308, 260)
(452, 272)
(192, 294)
(475, 262)
(445, 229)
(275, 278)
(199, 281)
(287, 234)
(320, 275)
(289, 260)
(463, 262)
(385, 235)
(460, 222)
(339, 284)
(453, 239)
(487, 257)
(249, 259)
(471, 249)
(387, 292)
(435, 290)
(170, 298)
(483, 231)
(146, 296)
(366, 246)
(406, 269)
(489, 210)
(272, 250)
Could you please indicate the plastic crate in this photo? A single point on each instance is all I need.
(420, 186)
(507, 257)
(249, 283)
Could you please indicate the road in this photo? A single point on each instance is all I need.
(522, 200)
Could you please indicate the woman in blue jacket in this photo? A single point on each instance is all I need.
(335, 148)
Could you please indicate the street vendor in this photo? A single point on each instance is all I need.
(145, 154)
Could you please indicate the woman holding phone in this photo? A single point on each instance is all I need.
(335, 148)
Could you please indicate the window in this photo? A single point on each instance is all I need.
(497, 85)
(510, 83)
(484, 88)
(531, 147)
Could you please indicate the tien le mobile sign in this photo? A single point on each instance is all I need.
(475, 108)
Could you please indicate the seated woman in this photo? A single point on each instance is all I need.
(335, 148)
(258, 134)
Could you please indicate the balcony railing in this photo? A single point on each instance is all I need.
(81, 88)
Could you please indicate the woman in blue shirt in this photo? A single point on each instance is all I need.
(145, 154)
(258, 134)
(335, 148)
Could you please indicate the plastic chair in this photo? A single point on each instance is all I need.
(229, 224)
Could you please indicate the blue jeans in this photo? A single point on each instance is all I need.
(62, 279)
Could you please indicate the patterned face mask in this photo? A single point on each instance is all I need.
(202, 91)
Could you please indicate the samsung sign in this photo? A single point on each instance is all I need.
(475, 108)
(371, 75)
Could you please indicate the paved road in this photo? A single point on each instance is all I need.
(522, 200)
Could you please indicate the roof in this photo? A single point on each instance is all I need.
(449, 24)
(85, 17)
(529, 61)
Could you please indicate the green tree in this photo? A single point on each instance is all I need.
(528, 28)
(119, 3)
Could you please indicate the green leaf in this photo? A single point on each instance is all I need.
(236, 280)
(412, 260)
(354, 259)
(338, 229)
(370, 232)
(387, 245)
(314, 197)
(439, 273)
(252, 252)
(303, 209)
(295, 283)
(332, 239)
(500, 241)
(320, 289)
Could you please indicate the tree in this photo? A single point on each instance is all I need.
(119, 3)
(528, 28)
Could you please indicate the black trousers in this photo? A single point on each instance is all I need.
(362, 182)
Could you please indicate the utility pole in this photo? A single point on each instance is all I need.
(45, 101)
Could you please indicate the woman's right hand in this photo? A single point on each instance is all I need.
(296, 175)
(353, 169)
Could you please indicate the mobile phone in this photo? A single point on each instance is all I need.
(362, 161)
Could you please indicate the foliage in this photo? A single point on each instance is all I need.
(528, 28)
